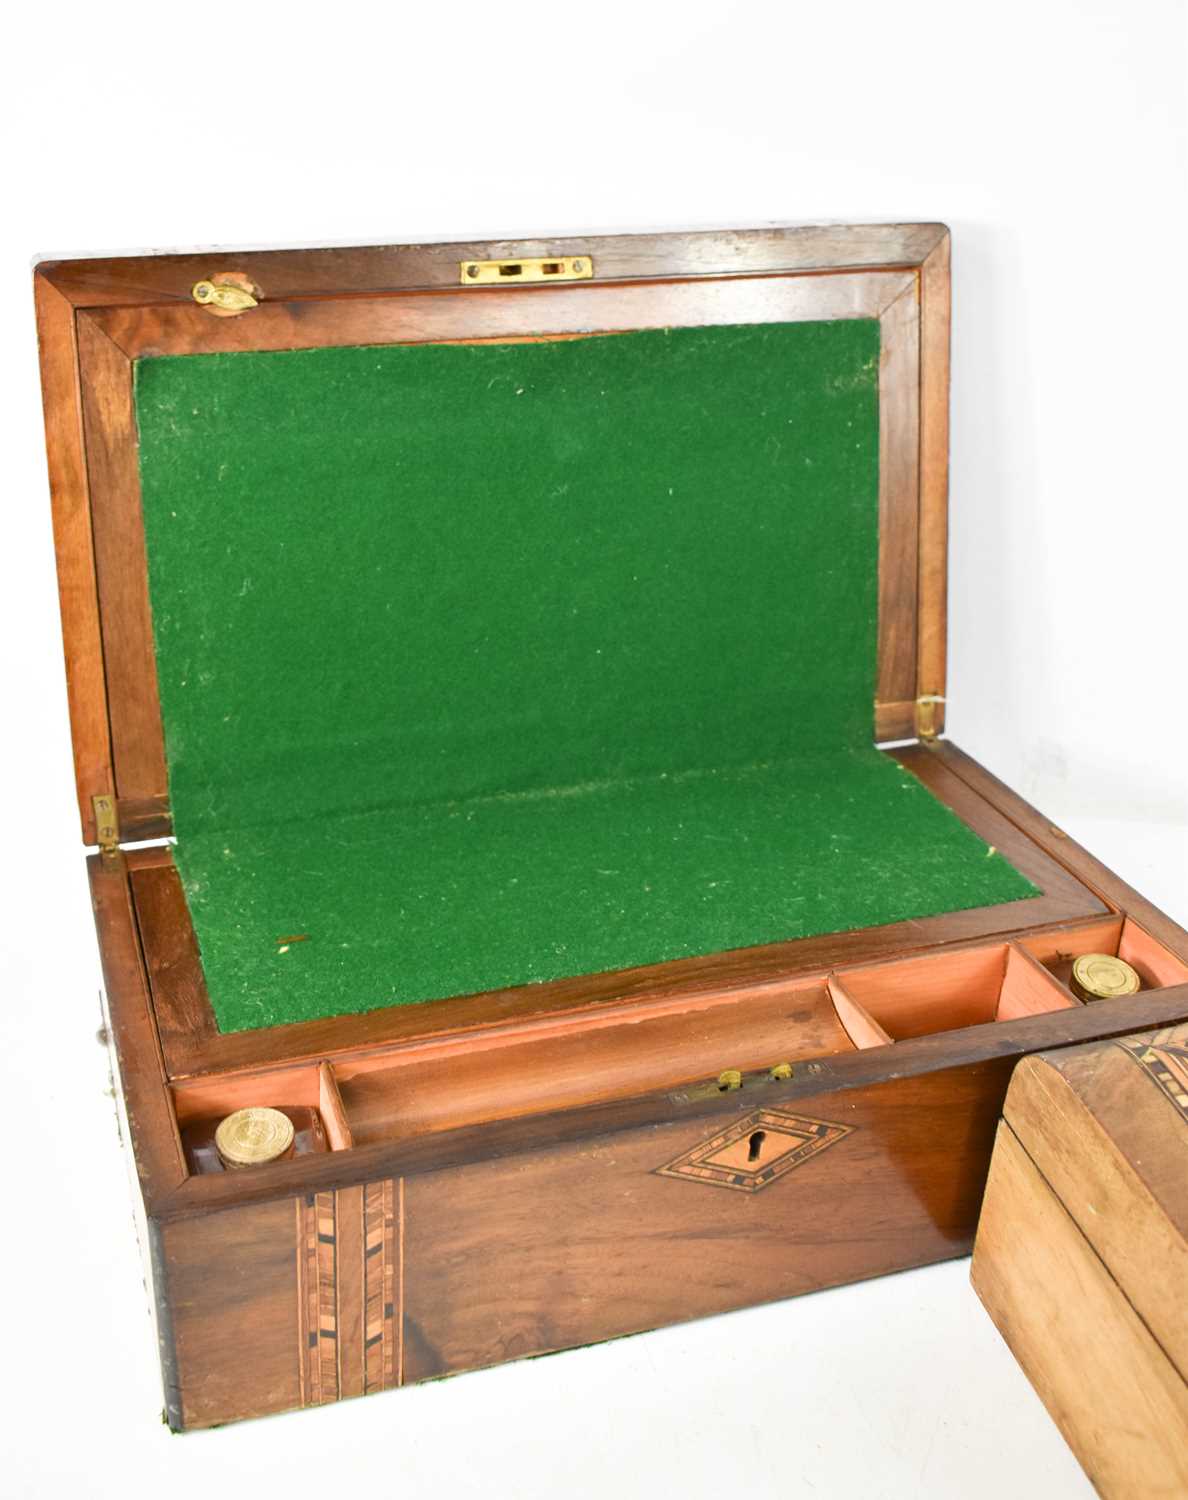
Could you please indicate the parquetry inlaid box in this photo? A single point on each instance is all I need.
(505, 636)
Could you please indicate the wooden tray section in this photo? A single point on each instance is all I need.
(192, 1043)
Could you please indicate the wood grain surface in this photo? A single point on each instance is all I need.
(899, 506)
(74, 548)
(933, 547)
(144, 280)
(1112, 1145)
(129, 660)
(573, 1243)
(230, 1281)
(1104, 1378)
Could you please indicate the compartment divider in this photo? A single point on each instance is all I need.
(338, 1128)
(860, 1026)
(1029, 989)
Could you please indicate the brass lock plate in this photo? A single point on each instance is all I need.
(519, 272)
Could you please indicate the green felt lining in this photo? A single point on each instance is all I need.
(488, 664)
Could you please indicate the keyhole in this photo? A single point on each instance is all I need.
(757, 1139)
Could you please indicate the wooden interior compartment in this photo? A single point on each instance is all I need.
(459, 1081)
(861, 1027)
(1155, 965)
(312, 1086)
(910, 997)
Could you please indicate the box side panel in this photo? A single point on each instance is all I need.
(147, 1232)
(1105, 1381)
(1102, 1126)
(74, 550)
(230, 1282)
(282, 1304)
(594, 1239)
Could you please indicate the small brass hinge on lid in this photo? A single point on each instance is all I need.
(517, 272)
(929, 715)
(107, 828)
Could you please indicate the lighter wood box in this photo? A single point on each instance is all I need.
(1081, 1255)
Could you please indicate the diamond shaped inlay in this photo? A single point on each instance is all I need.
(752, 1153)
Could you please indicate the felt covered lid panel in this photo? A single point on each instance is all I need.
(483, 664)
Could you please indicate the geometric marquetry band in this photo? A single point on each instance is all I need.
(317, 1293)
(381, 1249)
(1166, 1064)
(348, 1291)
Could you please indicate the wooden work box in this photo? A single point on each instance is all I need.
(506, 634)
(1082, 1252)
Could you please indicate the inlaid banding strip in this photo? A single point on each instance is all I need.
(329, 1281)
(317, 1282)
(1166, 1064)
(379, 1282)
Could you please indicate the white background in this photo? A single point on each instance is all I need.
(1051, 137)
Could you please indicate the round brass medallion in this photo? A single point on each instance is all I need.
(1100, 976)
(250, 1137)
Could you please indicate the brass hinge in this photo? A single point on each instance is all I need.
(517, 272)
(929, 713)
(107, 828)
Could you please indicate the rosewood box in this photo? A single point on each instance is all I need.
(507, 685)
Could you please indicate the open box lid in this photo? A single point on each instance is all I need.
(96, 318)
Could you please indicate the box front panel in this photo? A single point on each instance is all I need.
(596, 1239)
